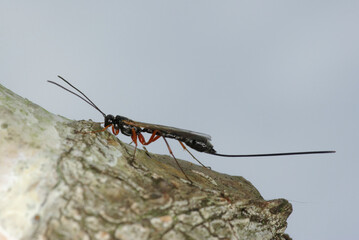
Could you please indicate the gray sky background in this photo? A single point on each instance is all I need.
(258, 76)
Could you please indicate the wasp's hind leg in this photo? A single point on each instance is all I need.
(170, 150)
(184, 147)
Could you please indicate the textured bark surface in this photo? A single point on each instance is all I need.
(58, 184)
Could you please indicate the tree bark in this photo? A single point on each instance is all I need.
(56, 183)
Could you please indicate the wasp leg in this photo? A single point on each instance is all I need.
(102, 130)
(146, 151)
(184, 147)
(170, 150)
(134, 139)
(153, 138)
(115, 131)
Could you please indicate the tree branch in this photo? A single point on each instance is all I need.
(56, 183)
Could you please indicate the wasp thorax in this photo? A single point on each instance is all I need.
(120, 118)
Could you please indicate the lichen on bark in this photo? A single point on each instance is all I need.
(56, 183)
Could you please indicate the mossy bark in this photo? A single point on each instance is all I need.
(56, 183)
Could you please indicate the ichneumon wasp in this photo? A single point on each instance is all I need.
(197, 141)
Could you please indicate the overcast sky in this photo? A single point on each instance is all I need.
(258, 76)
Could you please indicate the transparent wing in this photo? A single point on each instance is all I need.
(167, 129)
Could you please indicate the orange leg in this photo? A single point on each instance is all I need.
(184, 147)
(102, 130)
(115, 131)
(142, 140)
(153, 138)
(170, 150)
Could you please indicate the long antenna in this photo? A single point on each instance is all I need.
(63, 79)
(271, 154)
(87, 100)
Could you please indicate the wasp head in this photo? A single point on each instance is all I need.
(109, 120)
